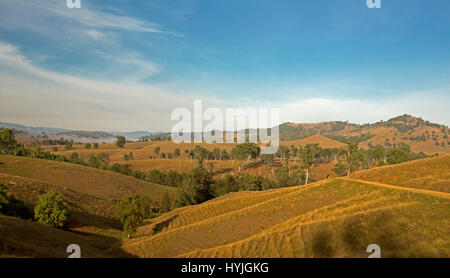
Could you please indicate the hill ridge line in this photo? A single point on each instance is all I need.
(404, 188)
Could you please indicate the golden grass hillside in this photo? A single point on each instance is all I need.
(97, 183)
(430, 173)
(331, 218)
(90, 194)
(24, 238)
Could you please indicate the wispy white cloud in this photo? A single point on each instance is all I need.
(85, 17)
(35, 96)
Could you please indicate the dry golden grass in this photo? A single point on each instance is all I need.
(325, 219)
(86, 210)
(24, 238)
(430, 173)
(143, 150)
(323, 141)
(395, 137)
(94, 182)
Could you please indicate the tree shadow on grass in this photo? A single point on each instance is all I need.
(158, 227)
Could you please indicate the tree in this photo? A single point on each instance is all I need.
(395, 156)
(245, 151)
(177, 153)
(200, 154)
(120, 143)
(307, 156)
(216, 154)
(166, 204)
(87, 146)
(52, 210)
(157, 150)
(93, 161)
(224, 155)
(197, 185)
(7, 140)
(377, 154)
(350, 160)
(95, 146)
(74, 158)
(131, 213)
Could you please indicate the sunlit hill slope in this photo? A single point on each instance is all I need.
(330, 218)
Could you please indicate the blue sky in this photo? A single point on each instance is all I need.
(125, 65)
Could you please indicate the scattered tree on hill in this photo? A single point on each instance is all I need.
(216, 154)
(87, 146)
(350, 160)
(395, 156)
(95, 146)
(120, 143)
(224, 155)
(74, 158)
(52, 210)
(7, 140)
(200, 154)
(131, 212)
(197, 185)
(245, 151)
(307, 156)
(157, 150)
(177, 153)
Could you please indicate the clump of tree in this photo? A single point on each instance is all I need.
(51, 209)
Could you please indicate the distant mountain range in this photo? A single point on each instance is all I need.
(420, 134)
(67, 133)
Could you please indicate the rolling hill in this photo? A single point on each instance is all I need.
(90, 194)
(430, 173)
(330, 218)
(94, 182)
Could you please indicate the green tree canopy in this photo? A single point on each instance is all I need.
(7, 140)
(120, 143)
(52, 210)
(131, 211)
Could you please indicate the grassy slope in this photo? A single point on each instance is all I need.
(431, 173)
(24, 238)
(329, 218)
(89, 193)
(98, 183)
